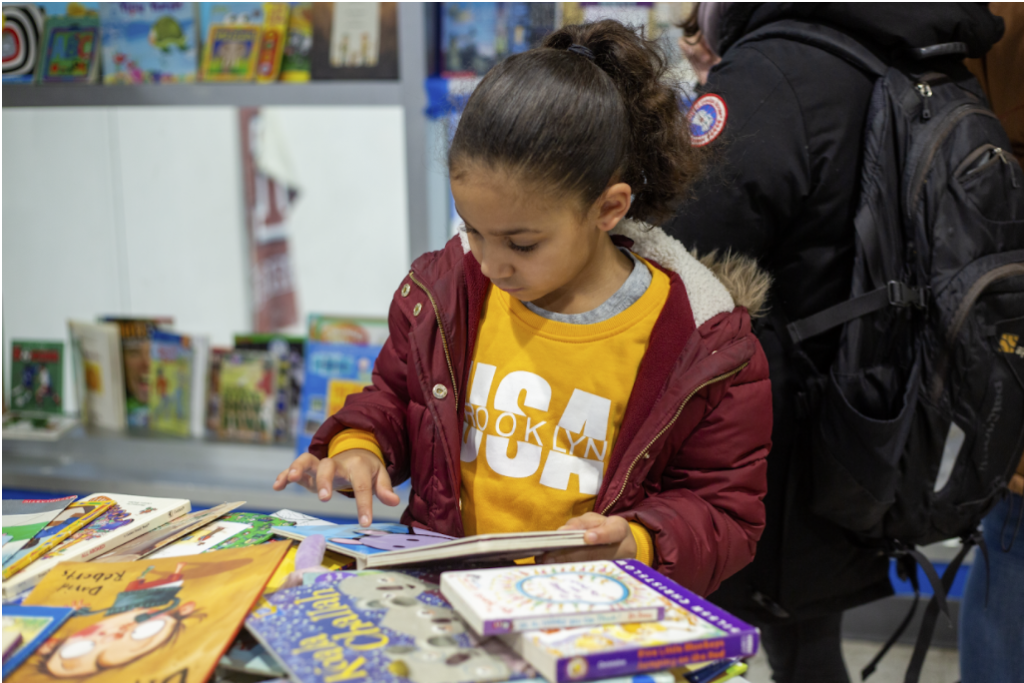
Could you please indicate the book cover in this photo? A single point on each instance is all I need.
(333, 372)
(28, 628)
(170, 383)
(136, 335)
(336, 329)
(288, 355)
(248, 387)
(70, 50)
(386, 627)
(165, 534)
(37, 374)
(692, 631)
(233, 530)
(353, 40)
(129, 517)
(468, 35)
(100, 371)
(149, 42)
(22, 33)
(152, 620)
(249, 657)
(531, 597)
(230, 52)
(295, 64)
(385, 544)
(23, 519)
(213, 398)
(272, 41)
(68, 521)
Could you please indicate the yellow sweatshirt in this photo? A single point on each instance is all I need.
(545, 404)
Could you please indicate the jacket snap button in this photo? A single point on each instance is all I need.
(416, 309)
(440, 391)
(406, 289)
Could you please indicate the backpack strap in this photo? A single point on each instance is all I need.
(894, 293)
(822, 37)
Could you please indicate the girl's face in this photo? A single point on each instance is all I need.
(538, 248)
(111, 642)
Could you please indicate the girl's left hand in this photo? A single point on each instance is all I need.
(610, 538)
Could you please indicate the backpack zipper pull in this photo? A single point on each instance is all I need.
(999, 152)
(925, 91)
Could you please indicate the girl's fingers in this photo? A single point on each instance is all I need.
(385, 492)
(324, 479)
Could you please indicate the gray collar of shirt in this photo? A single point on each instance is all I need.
(627, 295)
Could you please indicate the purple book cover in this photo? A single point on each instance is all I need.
(693, 631)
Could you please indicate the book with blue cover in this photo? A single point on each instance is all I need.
(386, 627)
(333, 372)
(149, 42)
(28, 628)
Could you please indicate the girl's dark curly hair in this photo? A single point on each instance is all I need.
(571, 125)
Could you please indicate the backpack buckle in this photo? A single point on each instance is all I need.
(903, 295)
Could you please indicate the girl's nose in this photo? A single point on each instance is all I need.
(495, 269)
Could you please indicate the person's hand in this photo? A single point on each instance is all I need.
(358, 469)
(608, 538)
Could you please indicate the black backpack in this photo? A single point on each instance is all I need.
(919, 423)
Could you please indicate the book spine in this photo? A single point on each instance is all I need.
(493, 627)
(643, 659)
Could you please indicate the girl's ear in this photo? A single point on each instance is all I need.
(612, 205)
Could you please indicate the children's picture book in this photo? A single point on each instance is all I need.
(22, 33)
(152, 620)
(70, 50)
(170, 383)
(231, 52)
(531, 597)
(469, 31)
(37, 371)
(213, 399)
(248, 387)
(354, 40)
(333, 372)
(201, 540)
(386, 627)
(149, 42)
(336, 329)
(128, 517)
(27, 628)
(385, 544)
(23, 519)
(297, 518)
(136, 335)
(165, 534)
(99, 369)
(68, 521)
(248, 656)
(258, 529)
(37, 426)
(295, 64)
(288, 355)
(355, 34)
(200, 384)
(693, 631)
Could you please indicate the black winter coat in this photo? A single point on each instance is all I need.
(783, 187)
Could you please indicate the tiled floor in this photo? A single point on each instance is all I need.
(941, 666)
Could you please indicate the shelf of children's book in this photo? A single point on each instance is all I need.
(348, 93)
(206, 472)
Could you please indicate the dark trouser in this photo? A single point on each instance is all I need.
(806, 651)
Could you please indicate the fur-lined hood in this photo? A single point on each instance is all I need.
(716, 283)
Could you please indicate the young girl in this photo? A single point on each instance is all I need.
(539, 374)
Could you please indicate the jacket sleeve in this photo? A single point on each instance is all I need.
(381, 407)
(709, 513)
(758, 170)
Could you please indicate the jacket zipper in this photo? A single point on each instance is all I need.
(645, 453)
(444, 337)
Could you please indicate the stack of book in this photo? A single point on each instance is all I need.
(138, 374)
(136, 588)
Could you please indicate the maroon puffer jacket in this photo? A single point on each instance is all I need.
(689, 460)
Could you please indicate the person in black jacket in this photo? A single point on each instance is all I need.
(783, 122)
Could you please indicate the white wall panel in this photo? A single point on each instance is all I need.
(60, 250)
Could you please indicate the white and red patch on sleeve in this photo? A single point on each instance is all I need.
(707, 119)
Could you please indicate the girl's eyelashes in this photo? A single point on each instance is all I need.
(521, 247)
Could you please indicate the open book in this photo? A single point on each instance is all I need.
(385, 544)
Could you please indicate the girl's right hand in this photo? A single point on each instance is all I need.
(357, 469)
